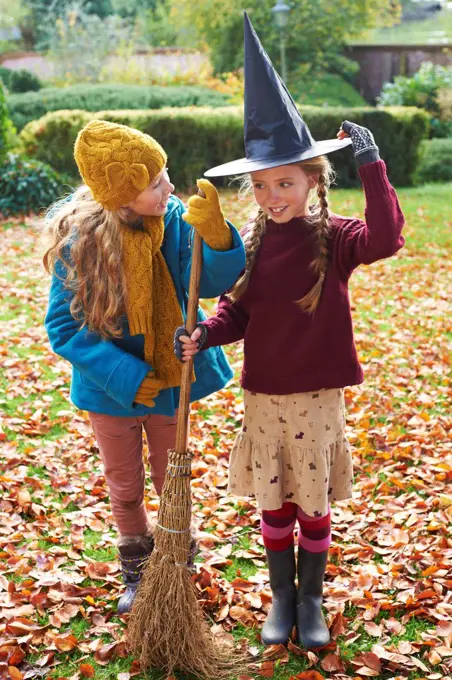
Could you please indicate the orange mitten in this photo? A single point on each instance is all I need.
(148, 390)
(205, 215)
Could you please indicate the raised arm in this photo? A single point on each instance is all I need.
(380, 234)
(223, 250)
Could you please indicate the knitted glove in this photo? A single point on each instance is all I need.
(363, 143)
(148, 390)
(204, 214)
(178, 345)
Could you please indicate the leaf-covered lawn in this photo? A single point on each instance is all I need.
(389, 583)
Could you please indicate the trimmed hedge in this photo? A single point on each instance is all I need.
(435, 164)
(197, 139)
(24, 108)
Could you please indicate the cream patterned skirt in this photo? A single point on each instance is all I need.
(293, 448)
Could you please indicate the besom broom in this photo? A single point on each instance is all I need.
(167, 629)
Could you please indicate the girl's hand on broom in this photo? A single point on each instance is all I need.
(185, 347)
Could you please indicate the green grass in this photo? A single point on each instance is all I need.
(325, 89)
(435, 30)
(428, 234)
(239, 568)
(427, 213)
(68, 668)
(91, 539)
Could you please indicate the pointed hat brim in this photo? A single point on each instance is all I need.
(244, 165)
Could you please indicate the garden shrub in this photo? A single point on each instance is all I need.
(27, 186)
(199, 138)
(32, 105)
(428, 89)
(435, 164)
(20, 81)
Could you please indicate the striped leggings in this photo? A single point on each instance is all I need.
(278, 529)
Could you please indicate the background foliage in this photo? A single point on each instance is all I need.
(431, 89)
(316, 33)
(6, 127)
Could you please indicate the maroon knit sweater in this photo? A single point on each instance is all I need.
(288, 350)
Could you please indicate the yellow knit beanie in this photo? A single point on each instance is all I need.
(117, 162)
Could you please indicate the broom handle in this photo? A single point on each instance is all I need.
(190, 325)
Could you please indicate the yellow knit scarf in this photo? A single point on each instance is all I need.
(152, 306)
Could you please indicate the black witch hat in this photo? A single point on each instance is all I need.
(275, 132)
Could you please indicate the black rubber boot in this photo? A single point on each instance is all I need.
(312, 630)
(133, 554)
(281, 618)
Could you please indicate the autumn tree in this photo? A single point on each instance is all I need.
(316, 34)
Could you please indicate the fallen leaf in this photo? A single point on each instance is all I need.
(267, 669)
(65, 643)
(338, 626)
(277, 652)
(367, 672)
(372, 629)
(368, 659)
(444, 628)
(243, 615)
(332, 663)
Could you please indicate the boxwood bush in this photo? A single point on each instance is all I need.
(32, 105)
(20, 80)
(435, 163)
(27, 186)
(199, 138)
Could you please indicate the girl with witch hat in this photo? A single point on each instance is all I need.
(291, 306)
(120, 257)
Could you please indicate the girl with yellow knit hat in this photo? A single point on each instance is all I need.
(119, 254)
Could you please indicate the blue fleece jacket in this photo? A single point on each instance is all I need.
(107, 373)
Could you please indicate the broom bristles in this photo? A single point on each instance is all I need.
(167, 629)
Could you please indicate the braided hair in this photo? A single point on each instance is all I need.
(319, 220)
(322, 231)
(253, 242)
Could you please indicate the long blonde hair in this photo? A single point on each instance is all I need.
(319, 219)
(87, 240)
